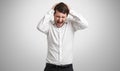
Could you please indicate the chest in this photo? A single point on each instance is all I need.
(64, 33)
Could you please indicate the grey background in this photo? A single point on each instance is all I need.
(24, 48)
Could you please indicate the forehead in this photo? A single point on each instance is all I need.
(60, 13)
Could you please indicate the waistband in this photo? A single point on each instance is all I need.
(59, 66)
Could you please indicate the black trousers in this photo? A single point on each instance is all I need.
(52, 67)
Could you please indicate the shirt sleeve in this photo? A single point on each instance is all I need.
(44, 23)
(78, 22)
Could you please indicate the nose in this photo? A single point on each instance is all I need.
(60, 20)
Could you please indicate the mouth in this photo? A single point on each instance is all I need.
(59, 24)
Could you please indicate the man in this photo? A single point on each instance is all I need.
(60, 29)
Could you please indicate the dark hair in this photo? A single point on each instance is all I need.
(61, 7)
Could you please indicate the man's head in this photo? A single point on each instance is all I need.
(60, 14)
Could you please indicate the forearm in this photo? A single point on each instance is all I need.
(78, 19)
(48, 16)
(43, 25)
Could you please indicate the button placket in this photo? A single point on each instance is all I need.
(61, 32)
(60, 44)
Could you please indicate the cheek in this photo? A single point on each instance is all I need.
(55, 19)
(64, 19)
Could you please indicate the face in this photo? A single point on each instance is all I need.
(59, 18)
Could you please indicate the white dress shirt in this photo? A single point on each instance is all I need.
(60, 40)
